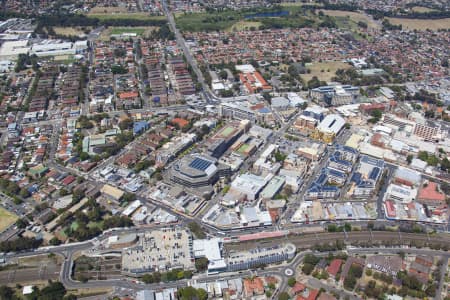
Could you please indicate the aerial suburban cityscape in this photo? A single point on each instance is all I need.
(224, 149)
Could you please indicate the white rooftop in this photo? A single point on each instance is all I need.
(245, 68)
(332, 123)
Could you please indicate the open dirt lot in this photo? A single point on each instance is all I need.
(69, 31)
(107, 10)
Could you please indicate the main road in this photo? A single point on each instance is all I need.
(302, 242)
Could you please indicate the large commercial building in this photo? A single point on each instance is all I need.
(245, 110)
(366, 177)
(160, 250)
(198, 171)
(329, 127)
(405, 176)
(260, 256)
(316, 112)
(52, 48)
(249, 185)
(324, 186)
(336, 94)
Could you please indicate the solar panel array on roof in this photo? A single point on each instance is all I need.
(336, 173)
(200, 164)
(374, 173)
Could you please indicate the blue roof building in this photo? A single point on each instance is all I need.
(321, 187)
(367, 176)
(140, 126)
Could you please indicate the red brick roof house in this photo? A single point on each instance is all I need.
(431, 195)
(334, 267)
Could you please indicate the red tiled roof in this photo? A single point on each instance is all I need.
(390, 208)
(431, 193)
(298, 288)
(68, 180)
(127, 95)
(313, 295)
(334, 267)
(253, 286)
(181, 122)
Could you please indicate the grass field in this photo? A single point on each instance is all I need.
(329, 69)
(287, 4)
(353, 16)
(422, 9)
(136, 16)
(205, 21)
(64, 59)
(6, 219)
(244, 25)
(419, 24)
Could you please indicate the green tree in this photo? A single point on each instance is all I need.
(187, 293)
(307, 268)
(202, 294)
(12, 188)
(6, 293)
(348, 227)
(314, 82)
(22, 223)
(291, 281)
(283, 296)
(126, 124)
(84, 156)
(201, 264)
(54, 241)
(128, 197)
(195, 228)
(223, 74)
(54, 291)
(63, 192)
(148, 278)
(24, 193)
(409, 158)
(280, 156)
